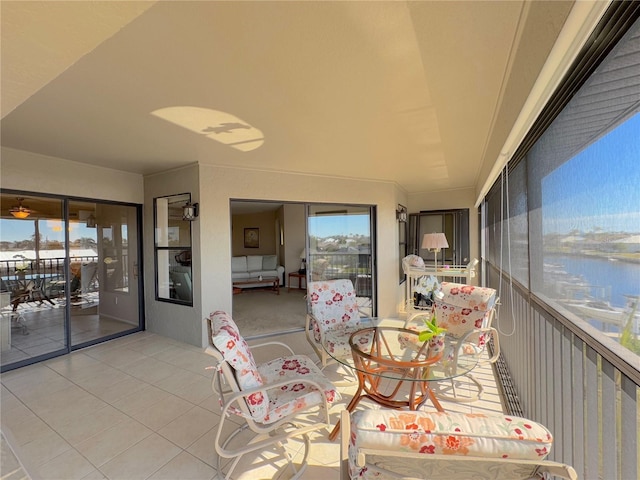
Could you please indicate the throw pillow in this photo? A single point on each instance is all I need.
(269, 262)
(254, 263)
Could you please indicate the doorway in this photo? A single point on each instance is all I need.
(340, 245)
(69, 273)
(300, 235)
(453, 223)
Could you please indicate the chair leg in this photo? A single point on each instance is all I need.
(20, 322)
(261, 441)
(349, 378)
(455, 397)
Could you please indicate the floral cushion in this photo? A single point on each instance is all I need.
(235, 350)
(412, 261)
(462, 308)
(280, 401)
(475, 435)
(295, 396)
(408, 340)
(334, 305)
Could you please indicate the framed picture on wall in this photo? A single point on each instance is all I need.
(251, 237)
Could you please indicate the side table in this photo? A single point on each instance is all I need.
(300, 277)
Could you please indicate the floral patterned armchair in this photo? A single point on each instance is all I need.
(333, 316)
(466, 312)
(395, 444)
(266, 397)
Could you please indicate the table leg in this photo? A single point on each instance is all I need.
(350, 408)
(434, 400)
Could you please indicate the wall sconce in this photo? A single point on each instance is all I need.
(91, 221)
(401, 214)
(190, 212)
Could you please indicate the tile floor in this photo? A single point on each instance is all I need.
(38, 328)
(142, 407)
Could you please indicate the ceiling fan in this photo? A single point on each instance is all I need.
(20, 211)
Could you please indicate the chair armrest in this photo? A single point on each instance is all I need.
(267, 344)
(492, 332)
(240, 396)
(308, 326)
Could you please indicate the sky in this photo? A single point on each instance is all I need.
(329, 225)
(13, 230)
(599, 187)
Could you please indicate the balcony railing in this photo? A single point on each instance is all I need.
(47, 269)
(570, 377)
(354, 266)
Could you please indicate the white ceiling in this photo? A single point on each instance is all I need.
(418, 93)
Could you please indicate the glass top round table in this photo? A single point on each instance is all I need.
(394, 368)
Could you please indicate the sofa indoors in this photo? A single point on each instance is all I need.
(246, 267)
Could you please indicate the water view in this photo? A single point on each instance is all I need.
(605, 292)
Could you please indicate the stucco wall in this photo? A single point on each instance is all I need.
(218, 185)
(32, 172)
(213, 187)
(171, 320)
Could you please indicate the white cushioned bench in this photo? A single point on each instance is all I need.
(391, 444)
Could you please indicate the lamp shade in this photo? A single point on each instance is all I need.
(303, 253)
(434, 241)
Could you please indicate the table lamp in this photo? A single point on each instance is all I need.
(434, 242)
(303, 261)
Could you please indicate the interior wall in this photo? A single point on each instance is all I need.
(180, 322)
(294, 237)
(265, 222)
(33, 172)
(220, 184)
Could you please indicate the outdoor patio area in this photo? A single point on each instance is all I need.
(142, 407)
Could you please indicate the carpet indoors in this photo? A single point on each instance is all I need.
(259, 312)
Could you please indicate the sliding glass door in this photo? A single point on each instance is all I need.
(341, 245)
(104, 270)
(69, 275)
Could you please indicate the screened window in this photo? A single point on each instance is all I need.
(573, 203)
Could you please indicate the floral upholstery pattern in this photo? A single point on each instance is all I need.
(476, 435)
(334, 314)
(463, 307)
(271, 404)
(295, 396)
(235, 350)
(412, 261)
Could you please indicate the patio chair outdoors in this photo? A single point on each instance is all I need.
(466, 312)
(332, 317)
(393, 444)
(281, 399)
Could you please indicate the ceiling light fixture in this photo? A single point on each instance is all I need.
(20, 211)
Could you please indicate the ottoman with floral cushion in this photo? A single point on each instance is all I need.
(391, 444)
